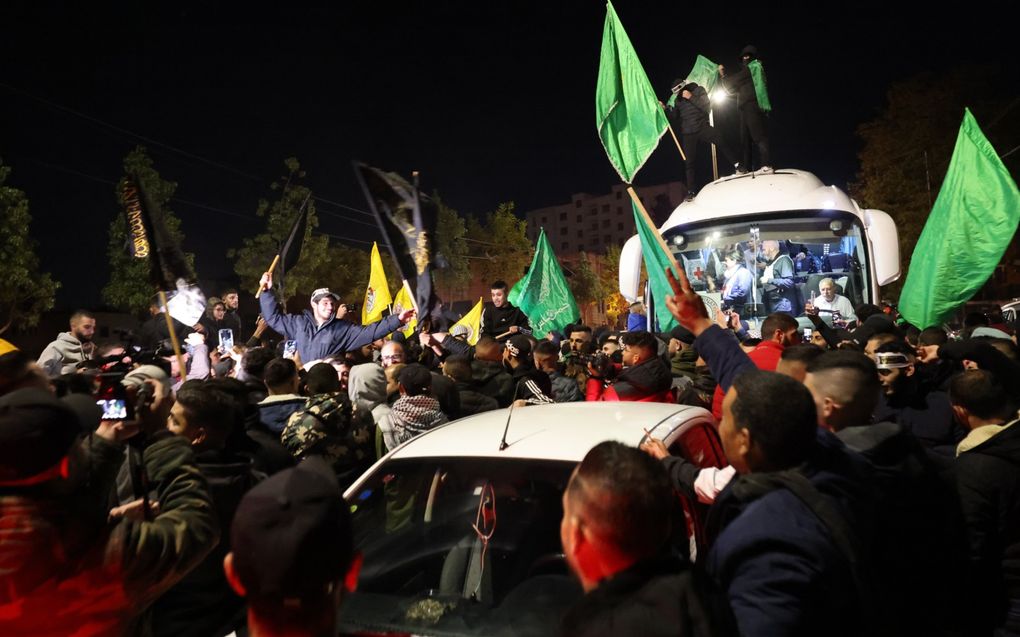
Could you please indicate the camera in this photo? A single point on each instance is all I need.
(600, 362)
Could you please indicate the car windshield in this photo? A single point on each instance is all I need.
(821, 243)
(461, 546)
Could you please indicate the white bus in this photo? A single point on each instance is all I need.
(855, 247)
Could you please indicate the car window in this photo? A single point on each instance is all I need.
(461, 545)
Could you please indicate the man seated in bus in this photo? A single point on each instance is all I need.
(829, 300)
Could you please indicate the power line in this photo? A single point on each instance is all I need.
(198, 204)
(124, 131)
(159, 144)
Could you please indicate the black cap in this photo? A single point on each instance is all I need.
(519, 346)
(36, 432)
(682, 334)
(415, 378)
(291, 535)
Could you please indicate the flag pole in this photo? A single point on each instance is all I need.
(651, 224)
(672, 132)
(272, 267)
(173, 335)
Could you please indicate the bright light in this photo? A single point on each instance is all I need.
(718, 96)
(716, 235)
(829, 203)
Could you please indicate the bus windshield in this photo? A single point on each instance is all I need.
(758, 264)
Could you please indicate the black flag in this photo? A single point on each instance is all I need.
(408, 221)
(290, 252)
(150, 239)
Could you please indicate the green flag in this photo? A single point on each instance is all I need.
(544, 294)
(704, 73)
(970, 226)
(761, 90)
(656, 262)
(515, 292)
(627, 113)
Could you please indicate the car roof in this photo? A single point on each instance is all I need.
(561, 431)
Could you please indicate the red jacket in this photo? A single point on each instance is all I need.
(765, 357)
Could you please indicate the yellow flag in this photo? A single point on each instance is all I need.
(472, 322)
(377, 296)
(405, 301)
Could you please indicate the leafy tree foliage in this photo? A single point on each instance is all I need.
(128, 288)
(907, 148)
(500, 244)
(25, 292)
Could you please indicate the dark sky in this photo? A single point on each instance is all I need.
(490, 101)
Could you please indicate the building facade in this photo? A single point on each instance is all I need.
(591, 223)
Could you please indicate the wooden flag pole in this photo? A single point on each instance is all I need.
(173, 335)
(272, 267)
(676, 140)
(671, 132)
(651, 224)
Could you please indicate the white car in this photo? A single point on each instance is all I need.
(462, 538)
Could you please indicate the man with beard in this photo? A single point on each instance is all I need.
(645, 376)
(926, 414)
(70, 348)
(777, 279)
(231, 317)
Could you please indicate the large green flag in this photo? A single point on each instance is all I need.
(627, 113)
(544, 294)
(656, 262)
(970, 226)
(704, 73)
(761, 90)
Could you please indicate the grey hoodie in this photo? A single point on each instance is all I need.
(63, 355)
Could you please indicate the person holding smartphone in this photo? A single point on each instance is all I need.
(318, 332)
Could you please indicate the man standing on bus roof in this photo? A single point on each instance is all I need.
(777, 280)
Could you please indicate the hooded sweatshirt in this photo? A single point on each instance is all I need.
(63, 355)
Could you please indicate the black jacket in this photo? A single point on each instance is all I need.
(473, 402)
(497, 320)
(653, 598)
(919, 518)
(532, 385)
(927, 415)
(741, 83)
(489, 378)
(445, 391)
(645, 379)
(988, 479)
(692, 114)
(203, 603)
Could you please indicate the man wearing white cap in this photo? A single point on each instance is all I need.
(318, 332)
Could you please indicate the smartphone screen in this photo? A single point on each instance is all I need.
(807, 333)
(113, 408)
(289, 349)
(226, 337)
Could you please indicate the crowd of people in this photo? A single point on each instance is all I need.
(872, 485)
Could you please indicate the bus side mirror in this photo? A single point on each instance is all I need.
(885, 246)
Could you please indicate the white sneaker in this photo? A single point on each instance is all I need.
(738, 169)
(766, 170)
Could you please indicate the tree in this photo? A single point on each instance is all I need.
(500, 245)
(25, 292)
(585, 283)
(451, 242)
(907, 148)
(609, 279)
(128, 288)
(319, 264)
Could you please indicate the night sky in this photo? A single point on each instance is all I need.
(490, 101)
